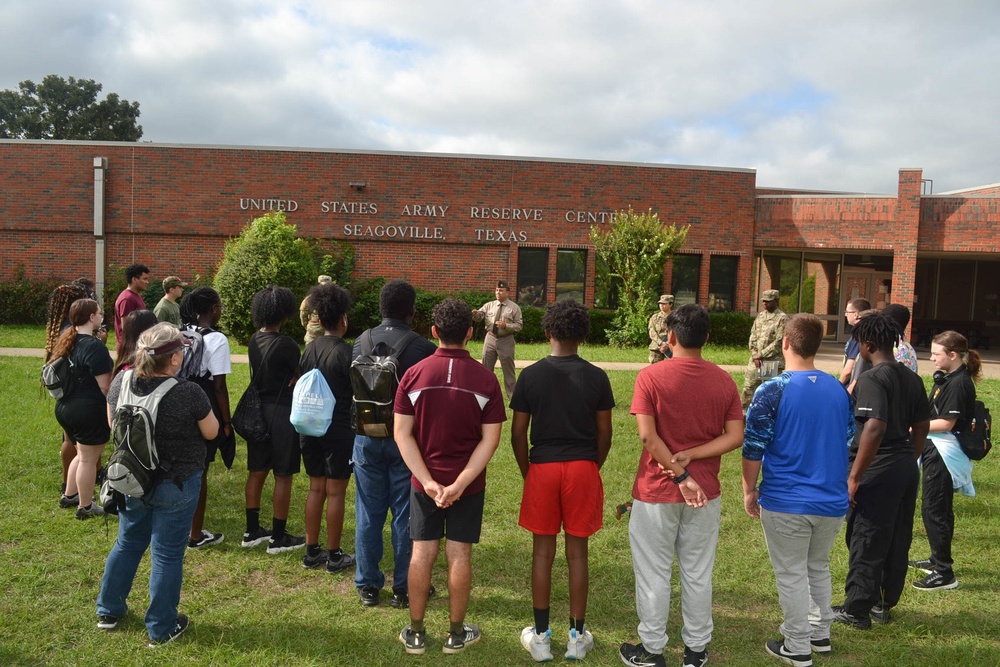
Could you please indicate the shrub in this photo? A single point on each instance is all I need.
(25, 300)
(600, 322)
(729, 328)
(267, 251)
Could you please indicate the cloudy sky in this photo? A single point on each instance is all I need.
(834, 95)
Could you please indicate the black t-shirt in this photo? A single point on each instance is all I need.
(332, 356)
(389, 332)
(274, 360)
(178, 438)
(892, 393)
(90, 358)
(562, 394)
(954, 398)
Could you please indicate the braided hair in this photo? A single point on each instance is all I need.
(878, 330)
(57, 318)
(198, 302)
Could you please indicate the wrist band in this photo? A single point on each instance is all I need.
(681, 478)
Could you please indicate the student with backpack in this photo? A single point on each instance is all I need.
(80, 409)
(327, 458)
(381, 478)
(274, 368)
(944, 466)
(161, 519)
(201, 311)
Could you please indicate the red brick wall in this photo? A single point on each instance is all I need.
(173, 207)
(828, 223)
(960, 224)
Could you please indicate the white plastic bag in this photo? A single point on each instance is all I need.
(312, 404)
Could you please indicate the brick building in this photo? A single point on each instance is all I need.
(459, 222)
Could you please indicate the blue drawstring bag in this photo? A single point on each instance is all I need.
(312, 405)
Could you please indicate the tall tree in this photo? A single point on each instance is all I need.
(635, 246)
(59, 108)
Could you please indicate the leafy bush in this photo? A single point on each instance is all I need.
(729, 328)
(267, 251)
(25, 300)
(629, 329)
(600, 322)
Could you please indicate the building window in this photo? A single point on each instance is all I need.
(571, 274)
(532, 271)
(722, 282)
(684, 281)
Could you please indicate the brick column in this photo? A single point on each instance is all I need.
(905, 233)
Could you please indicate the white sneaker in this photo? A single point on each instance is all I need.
(579, 644)
(538, 645)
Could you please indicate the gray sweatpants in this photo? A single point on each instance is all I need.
(656, 532)
(799, 546)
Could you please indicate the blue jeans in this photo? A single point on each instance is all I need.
(162, 522)
(382, 484)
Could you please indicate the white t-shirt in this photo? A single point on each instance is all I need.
(215, 357)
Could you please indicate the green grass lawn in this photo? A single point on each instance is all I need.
(248, 608)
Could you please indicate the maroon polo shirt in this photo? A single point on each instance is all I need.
(450, 396)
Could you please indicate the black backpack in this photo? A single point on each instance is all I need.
(194, 352)
(58, 378)
(133, 465)
(374, 379)
(976, 439)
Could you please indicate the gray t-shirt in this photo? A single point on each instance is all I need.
(178, 439)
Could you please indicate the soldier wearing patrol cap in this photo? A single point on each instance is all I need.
(766, 335)
(503, 320)
(658, 350)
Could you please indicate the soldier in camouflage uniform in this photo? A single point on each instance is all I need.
(765, 342)
(658, 350)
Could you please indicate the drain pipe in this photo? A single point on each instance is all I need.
(100, 166)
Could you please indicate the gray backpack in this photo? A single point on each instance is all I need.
(133, 464)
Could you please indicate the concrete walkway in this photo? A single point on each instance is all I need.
(830, 359)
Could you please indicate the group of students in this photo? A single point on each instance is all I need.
(430, 472)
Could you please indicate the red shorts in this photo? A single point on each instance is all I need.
(568, 494)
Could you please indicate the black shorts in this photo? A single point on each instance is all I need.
(328, 457)
(280, 452)
(462, 522)
(85, 422)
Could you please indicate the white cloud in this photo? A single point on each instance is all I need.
(827, 95)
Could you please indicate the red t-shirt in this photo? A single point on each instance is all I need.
(450, 396)
(126, 302)
(691, 400)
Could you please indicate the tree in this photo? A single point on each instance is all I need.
(60, 108)
(634, 247)
(267, 252)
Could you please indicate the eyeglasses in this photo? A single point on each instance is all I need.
(850, 312)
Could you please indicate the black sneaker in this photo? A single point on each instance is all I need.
(637, 656)
(107, 622)
(457, 643)
(179, 627)
(258, 536)
(340, 562)
(84, 513)
(314, 561)
(207, 539)
(840, 615)
(401, 599)
(413, 641)
(69, 502)
(935, 581)
(821, 645)
(369, 596)
(285, 543)
(695, 658)
(924, 565)
(881, 614)
(778, 650)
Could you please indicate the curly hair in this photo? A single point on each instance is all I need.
(198, 302)
(60, 301)
(134, 271)
(331, 302)
(878, 330)
(452, 319)
(952, 341)
(273, 305)
(80, 313)
(566, 320)
(134, 324)
(397, 299)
